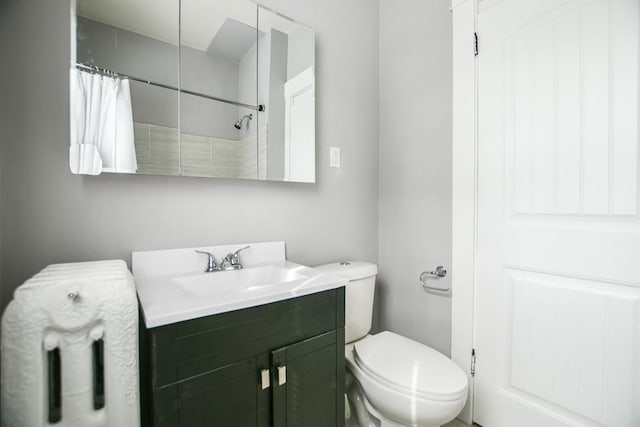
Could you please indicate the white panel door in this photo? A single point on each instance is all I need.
(300, 130)
(557, 319)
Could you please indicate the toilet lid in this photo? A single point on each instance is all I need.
(410, 366)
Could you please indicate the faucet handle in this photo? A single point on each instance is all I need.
(211, 262)
(234, 258)
(235, 254)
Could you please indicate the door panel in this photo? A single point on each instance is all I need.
(299, 94)
(571, 343)
(558, 279)
(570, 110)
(224, 397)
(311, 396)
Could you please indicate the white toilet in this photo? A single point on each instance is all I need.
(400, 382)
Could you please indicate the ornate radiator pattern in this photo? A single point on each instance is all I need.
(70, 348)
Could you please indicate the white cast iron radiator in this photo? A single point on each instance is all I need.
(70, 348)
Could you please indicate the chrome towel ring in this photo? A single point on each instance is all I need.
(438, 273)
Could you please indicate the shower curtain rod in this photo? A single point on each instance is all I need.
(111, 73)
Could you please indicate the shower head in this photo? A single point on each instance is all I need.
(238, 124)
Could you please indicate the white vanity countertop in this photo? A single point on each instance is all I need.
(173, 287)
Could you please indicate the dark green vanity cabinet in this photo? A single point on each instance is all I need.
(211, 371)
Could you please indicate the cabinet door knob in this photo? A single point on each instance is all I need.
(282, 375)
(266, 382)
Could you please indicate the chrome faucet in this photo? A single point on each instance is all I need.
(211, 262)
(232, 260)
(229, 262)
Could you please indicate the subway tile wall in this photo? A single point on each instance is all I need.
(159, 152)
(252, 154)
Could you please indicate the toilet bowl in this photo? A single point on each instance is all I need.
(398, 381)
(406, 383)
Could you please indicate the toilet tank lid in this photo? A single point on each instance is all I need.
(350, 270)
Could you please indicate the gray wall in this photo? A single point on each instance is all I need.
(50, 215)
(300, 56)
(415, 166)
(5, 108)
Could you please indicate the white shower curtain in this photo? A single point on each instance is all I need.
(101, 125)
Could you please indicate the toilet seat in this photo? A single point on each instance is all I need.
(409, 367)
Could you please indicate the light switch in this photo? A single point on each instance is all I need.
(334, 157)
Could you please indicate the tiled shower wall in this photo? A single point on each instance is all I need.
(158, 153)
(252, 154)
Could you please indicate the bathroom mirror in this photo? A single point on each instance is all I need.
(286, 84)
(113, 119)
(209, 88)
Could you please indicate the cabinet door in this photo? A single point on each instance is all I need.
(223, 397)
(308, 382)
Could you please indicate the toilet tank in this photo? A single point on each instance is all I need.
(358, 295)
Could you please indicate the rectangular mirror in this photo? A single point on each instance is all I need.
(218, 58)
(286, 84)
(114, 119)
(226, 90)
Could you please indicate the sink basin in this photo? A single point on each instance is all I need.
(254, 279)
(172, 286)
